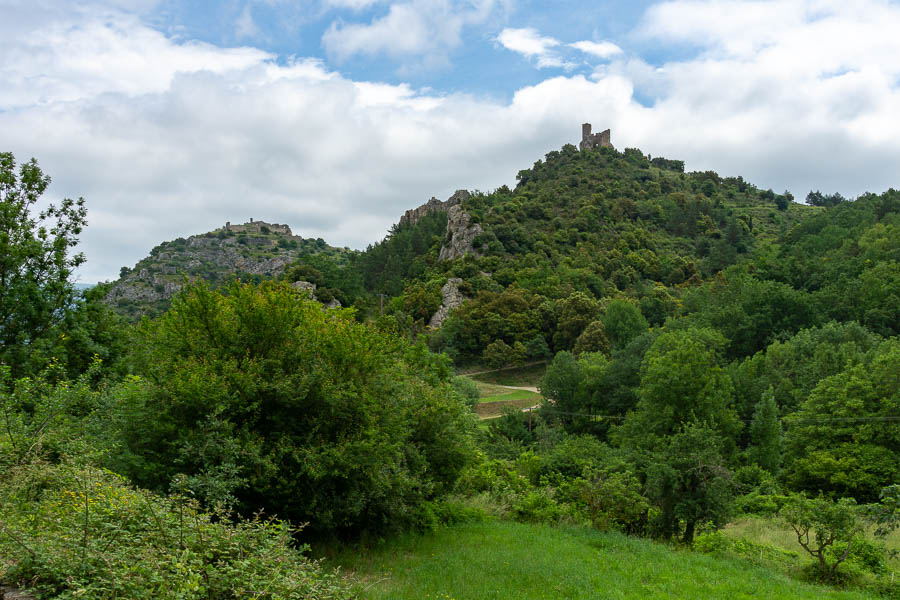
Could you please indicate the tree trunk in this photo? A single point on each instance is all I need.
(688, 533)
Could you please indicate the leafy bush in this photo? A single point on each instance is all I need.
(79, 532)
(466, 389)
(260, 395)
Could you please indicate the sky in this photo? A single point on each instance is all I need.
(335, 116)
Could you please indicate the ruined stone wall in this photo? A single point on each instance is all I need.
(597, 140)
(256, 227)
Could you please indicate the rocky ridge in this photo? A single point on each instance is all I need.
(461, 234)
(451, 297)
(215, 256)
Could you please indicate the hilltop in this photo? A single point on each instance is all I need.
(251, 252)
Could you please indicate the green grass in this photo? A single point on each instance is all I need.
(512, 396)
(502, 560)
(522, 376)
(777, 533)
(489, 389)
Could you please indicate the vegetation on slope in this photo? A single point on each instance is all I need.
(478, 561)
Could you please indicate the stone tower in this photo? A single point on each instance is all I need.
(597, 140)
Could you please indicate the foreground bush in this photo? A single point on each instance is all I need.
(262, 399)
(79, 532)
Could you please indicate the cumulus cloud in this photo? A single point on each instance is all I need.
(167, 138)
(598, 49)
(529, 43)
(414, 27)
(793, 94)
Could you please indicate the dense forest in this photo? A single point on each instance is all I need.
(706, 350)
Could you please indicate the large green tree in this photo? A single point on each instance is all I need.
(259, 395)
(36, 260)
(845, 439)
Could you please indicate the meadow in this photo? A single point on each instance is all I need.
(501, 560)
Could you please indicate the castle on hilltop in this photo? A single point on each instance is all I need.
(257, 227)
(597, 140)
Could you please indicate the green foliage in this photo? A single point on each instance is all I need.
(622, 322)
(36, 293)
(262, 396)
(766, 434)
(689, 483)
(466, 389)
(79, 532)
(575, 313)
(681, 382)
(826, 529)
(592, 339)
(613, 500)
(844, 438)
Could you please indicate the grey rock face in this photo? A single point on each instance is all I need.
(311, 288)
(11, 593)
(462, 233)
(451, 297)
(413, 215)
(160, 281)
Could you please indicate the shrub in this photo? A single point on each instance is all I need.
(79, 532)
(259, 394)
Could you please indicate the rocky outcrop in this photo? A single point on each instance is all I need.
(217, 256)
(11, 593)
(461, 233)
(451, 297)
(412, 216)
(311, 288)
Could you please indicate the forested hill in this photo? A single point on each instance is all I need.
(580, 230)
(587, 245)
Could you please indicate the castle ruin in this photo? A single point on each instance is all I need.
(257, 227)
(597, 140)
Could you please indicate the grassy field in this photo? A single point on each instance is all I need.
(503, 560)
(523, 376)
(513, 396)
(775, 533)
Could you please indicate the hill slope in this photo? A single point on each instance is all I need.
(251, 251)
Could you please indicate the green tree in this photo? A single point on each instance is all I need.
(765, 434)
(622, 322)
(258, 394)
(844, 439)
(592, 339)
(826, 529)
(682, 383)
(560, 384)
(688, 481)
(575, 314)
(35, 261)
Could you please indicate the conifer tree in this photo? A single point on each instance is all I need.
(765, 433)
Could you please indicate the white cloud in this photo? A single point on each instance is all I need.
(414, 27)
(531, 44)
(351, 4)
(598, 49)
(245, 27)
(168, 139)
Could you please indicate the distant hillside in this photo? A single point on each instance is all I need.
(250, 251)
(600, 222)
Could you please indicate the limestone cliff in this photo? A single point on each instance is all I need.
(216, 256)
(451, 297)
(412, 216)
(461, 233)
